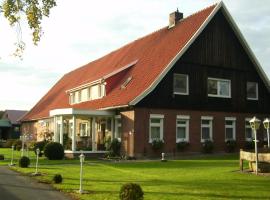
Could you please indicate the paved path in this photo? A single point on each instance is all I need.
(14, 186)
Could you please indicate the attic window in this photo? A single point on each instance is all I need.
(124, 85)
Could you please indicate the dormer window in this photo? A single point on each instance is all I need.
(88, 93)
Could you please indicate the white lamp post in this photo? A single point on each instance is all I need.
(36, 172)
(255, 125)
(12, 156)
(81, 172)
(266, 124)
(22, 139)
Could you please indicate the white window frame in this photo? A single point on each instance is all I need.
(233, 126)
(248, 126)
(185, 118)
(187, 84)
(218, 87)
(257, 91)
(117, 125)
(160, 124)
(210, 126)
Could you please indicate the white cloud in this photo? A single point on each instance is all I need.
(80, 31)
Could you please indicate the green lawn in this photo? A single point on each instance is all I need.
(212, 177)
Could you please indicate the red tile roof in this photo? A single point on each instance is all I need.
(153, 52)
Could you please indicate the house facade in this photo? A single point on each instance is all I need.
(192, 81)
(10, 125)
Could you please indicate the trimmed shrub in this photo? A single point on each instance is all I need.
(24, 162)
(2, 157)
(17, 144)
(57, 178)
(230, 146)
(40, 145)
(54, 151)
(157, 144)
(115, 147)
(181, 146)
(131, 191)
(249, 145)
(207, 146)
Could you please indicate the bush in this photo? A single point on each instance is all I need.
(157, 144)
(57, 178)
(40, 145)
(181, 146)
(207, 146)
(249, 145)
(2, 157)
(54, 151)
(17, 144)
(24, 162)
(8, 143)
(115, 147)
(230, 146)
(131, 191)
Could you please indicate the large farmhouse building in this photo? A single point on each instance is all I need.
(194, 80)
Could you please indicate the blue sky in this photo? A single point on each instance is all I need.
(80, 31)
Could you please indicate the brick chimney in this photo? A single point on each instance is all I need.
(174, 18)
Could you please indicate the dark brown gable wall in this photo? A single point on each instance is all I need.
(216, 53)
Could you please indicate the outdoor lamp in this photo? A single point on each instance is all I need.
(82, 156)
(255, 125)
(266, 124)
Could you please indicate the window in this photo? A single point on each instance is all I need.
(71, 98)
(219, 88)
(156, 127)
(206, 128)
(83, 129)
(182, 128)
(248, 130)
(84, 94)
(230, 128)
(252, 91)
(118, 127)
(180, 84)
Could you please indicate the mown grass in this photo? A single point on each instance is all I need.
(207, 177)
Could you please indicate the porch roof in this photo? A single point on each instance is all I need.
(73, 111)
(5, 123)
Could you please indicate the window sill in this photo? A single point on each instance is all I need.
(218, 96)
(184, 140)
(204, 140)
(252, 99)
(180, 93)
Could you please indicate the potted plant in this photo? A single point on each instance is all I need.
(182, 145)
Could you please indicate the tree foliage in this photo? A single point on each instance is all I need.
(32, 10)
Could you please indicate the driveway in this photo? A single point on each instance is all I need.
(14, 186)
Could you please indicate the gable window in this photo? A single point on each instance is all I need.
(252, 91)
(206, 128)
(118, 127)
(182, 128)
(155, 127)
(219, 88)
(248, 130)
(230, 128)
(180, 84)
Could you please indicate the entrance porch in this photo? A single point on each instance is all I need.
(89, 131)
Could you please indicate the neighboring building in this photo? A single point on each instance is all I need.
(10, 124)
(194, 80)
